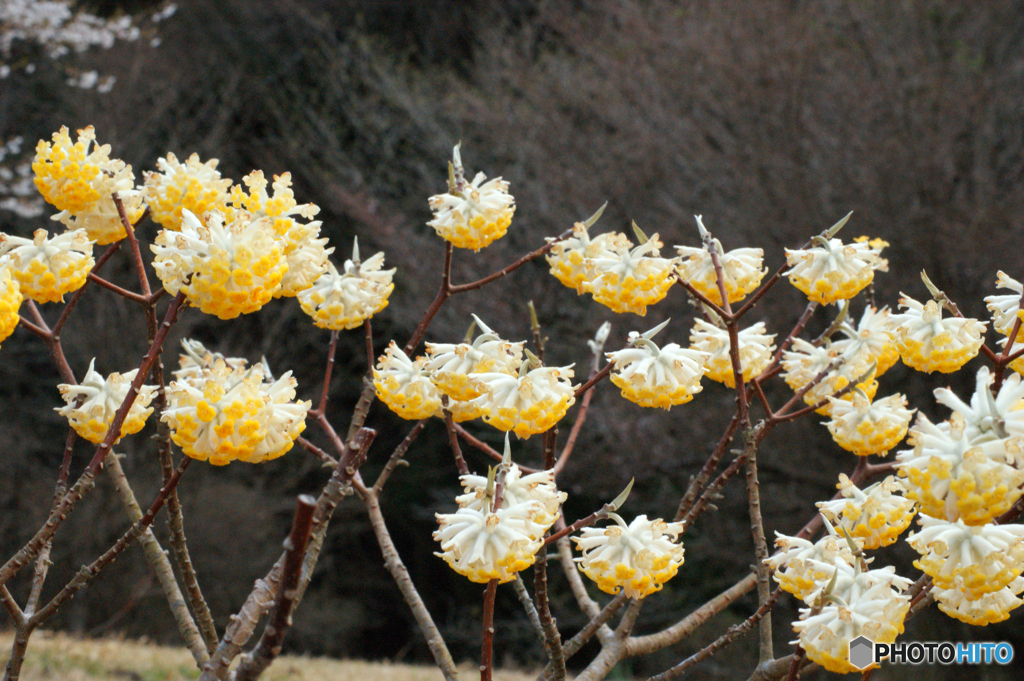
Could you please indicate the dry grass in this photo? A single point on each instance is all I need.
(59, 657)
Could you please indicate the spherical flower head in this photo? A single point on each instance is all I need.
(953, 477)
(472, 215)
(47, 268)
(517, 489)
(1006, 309)
(802, 566)
(345, 300)
(307, 261)
(977, 559)
(868, 607)
(235, 268)
(832, 271)
(741, 271)
(631, 280)
(283, 418)
(988, 609)
(80, 183)
(281, 207)
(927, 342)
(569, 257)
(989, 418)
(529, 403)
(484, 545)
(657, 377)
(877, 515)
(10, 301)
(100, 399)
(193, 186)
(638, 558)
(871, 342)
(864, 427)
(452, 366)
(755, 350)
(805, 362)
(405, 385)
(197, 364)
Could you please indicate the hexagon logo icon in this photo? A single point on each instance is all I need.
(862, 652)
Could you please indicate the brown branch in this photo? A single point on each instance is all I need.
(709, 467)
(453, 440)
(487, 645)
(760, 545)
(505, 271)
(594, 380)
(321, 454)
(322, 405)
(140, 265)
(123, 292)
(396, 460)
(77, 295)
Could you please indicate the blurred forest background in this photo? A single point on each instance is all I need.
(773, 120)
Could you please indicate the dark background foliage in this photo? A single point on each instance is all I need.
(770, 119)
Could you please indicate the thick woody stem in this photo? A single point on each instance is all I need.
(552, 639)
(269, 646)
(760, 546)
(487, 647)
(528, 607)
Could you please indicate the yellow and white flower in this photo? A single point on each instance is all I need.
(224, 269)
(865, 427)
(988, 609)
(517, 489)
(871, 342)
(474, 215)
(742, 271)
(80, 183)
(927, 342)
(453, 365)
(197, 363)
(630, 280)
(571, 259)
(985, 558)
(802, 566)
(345, 300)
(755, 350)
(48, 268)
(833, 271)
(986, 417)
(10, 301)
(1006, 308)
(877, 515)
(529, 403)
(193, 186)
(638, 558)
(405, 386)
(657, 377)
(484, 545)
(100, 399)
(805, 362)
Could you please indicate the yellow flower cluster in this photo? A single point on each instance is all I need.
(46, 268)
(405, 386)
(529, 403)
(92, 404)
(927, 342)
(223, 412)
(755, 350)
(876, 515)
(80, 183)
(865, 427)
(802, 566)
(347, 299)
(193, 186)
(638, 558)
(10, 302)
(987, 609)
(1006, 308)
(633, 279)
(473, 215)
(741, 271)
(657, 377)
(833, 271)
(571, 259)
(805, 362)
(224, 269)
(453, 366)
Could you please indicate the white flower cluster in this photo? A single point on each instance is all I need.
(637, 558)
(58, 28)
(100, 399)
(17, 190)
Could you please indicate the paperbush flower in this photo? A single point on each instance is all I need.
(877, 515)
(927, 342)
(629, 281)
(639, 557)
(1017, 364)
(517, 489)
(805, 362)
(986, 417)
(197, 364)
(529, 403)
(832, 271)
(865, 427)
(741, 271)
(988, 609)
(1006, 308)
(473, 215)
(801, 566)
(10, 301)
(193, 186)
(657, 377)
(952, 476)
(45, 268)
(755, 350)
(871, 342)
(345, 300)
(233, 415)
(80, 183)
(235, 268)
(867, 606)
(482, 545)
(570, 257)
(452, 366)
(405, 386)
(985, 558)
(101, 398)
